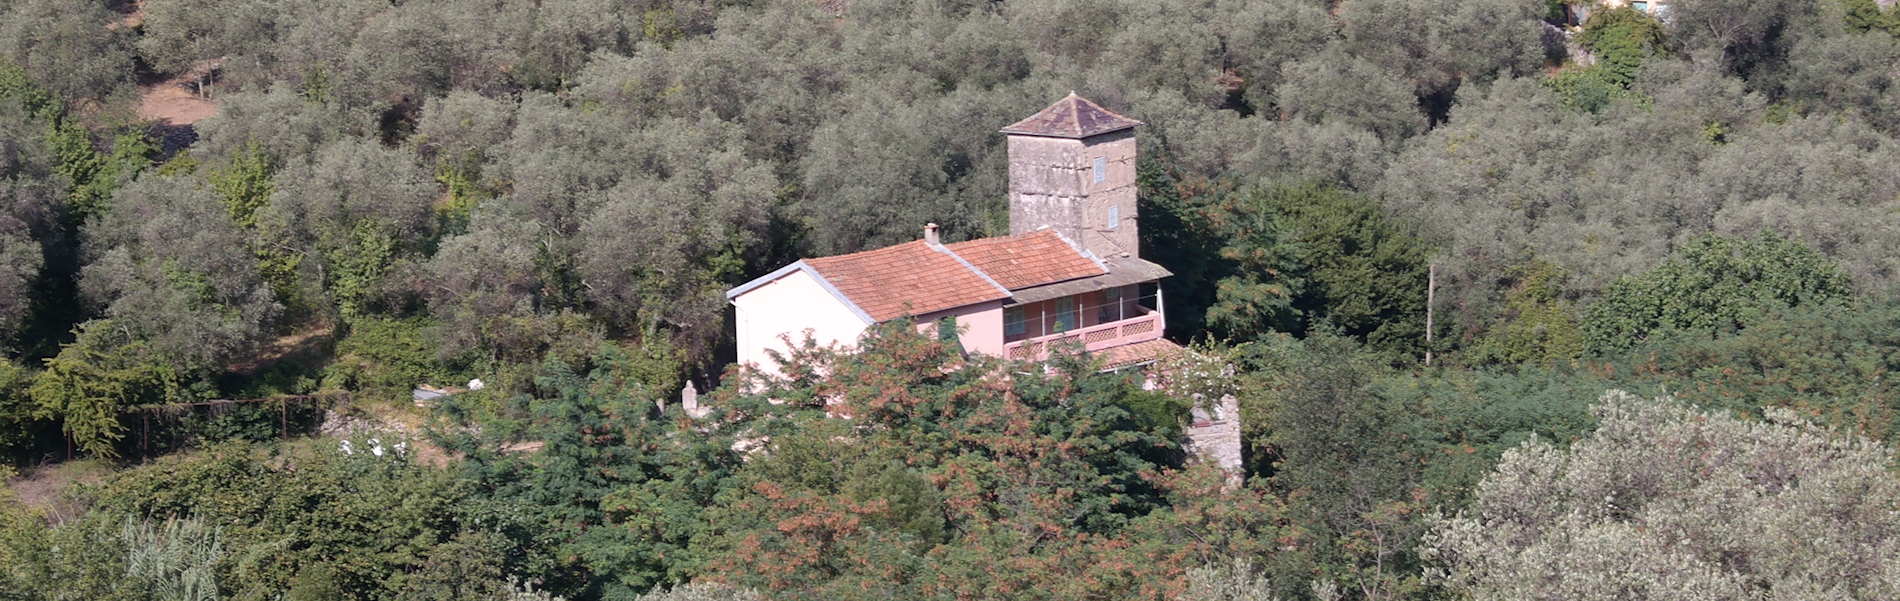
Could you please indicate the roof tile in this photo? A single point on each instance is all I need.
(1146, 351)
(906, 279)
(1028, 259)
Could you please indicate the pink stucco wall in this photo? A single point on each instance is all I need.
(788, 306)
(981, 325)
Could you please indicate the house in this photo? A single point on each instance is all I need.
(1069, 272)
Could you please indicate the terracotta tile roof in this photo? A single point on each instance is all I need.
(1025, 260)
(910, 278)
(1071, 117)
(1135, 354)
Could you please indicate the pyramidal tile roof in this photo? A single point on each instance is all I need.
(1027, 259)
(1071, 117)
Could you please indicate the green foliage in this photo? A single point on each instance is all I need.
(1363, 452)
(1177, 234)
(1539, 325)
(1332, 438)
(92, 381)
(1621, 38)
(16, 86)
(1863, 16)
(1824, 360)
(614, 494)
(354, 521)
(383, 358)
(1591, 89)
(244, 185)
(82, 558)
(1713, 283)
(1259, 297)
(1313, 257)
(80, 164)
(468, 566)
(357, 268)
(19, 425)
(1365, 273)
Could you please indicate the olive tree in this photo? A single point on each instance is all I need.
(488, 288)
(660, 250)
(68, 46)
(1438, 45)
(170, 269)
(179, 33)
(1335, 86)
(1664, 501)
(30, 198)
(1747, 37)
(1850, 73)
(347, 217)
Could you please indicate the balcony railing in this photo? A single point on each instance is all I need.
(1093, 338)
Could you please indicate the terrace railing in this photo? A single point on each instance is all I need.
(1146, 326)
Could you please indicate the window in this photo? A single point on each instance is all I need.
(1640, 6)
(1114, 216)
(1013, 322)
(1111, 306)
(1065, 314)
(1101, 169)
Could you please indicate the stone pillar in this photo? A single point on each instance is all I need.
(1215, 434)
(689, 401)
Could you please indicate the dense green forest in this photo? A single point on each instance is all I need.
(552, 196)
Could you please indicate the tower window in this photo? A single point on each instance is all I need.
(1101, 169)
(1114, 216)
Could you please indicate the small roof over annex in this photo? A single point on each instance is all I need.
(1071, 117)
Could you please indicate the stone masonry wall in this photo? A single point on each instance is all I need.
(1051, 183)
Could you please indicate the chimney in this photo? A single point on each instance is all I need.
(930, 234)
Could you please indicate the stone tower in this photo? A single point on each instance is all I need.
(1072, 169)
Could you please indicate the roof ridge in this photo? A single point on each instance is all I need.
(1075, 112)
(1089, 254)
(966, 265)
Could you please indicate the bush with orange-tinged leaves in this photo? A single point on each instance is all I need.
(1051, 481)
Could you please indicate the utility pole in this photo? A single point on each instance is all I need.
(1431, 298)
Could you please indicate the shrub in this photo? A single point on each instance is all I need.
(1713, 283)
(1664, 501)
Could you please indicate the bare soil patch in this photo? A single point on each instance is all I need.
(44, 487)
(174, 102)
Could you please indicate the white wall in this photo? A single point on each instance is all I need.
(788, 306)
